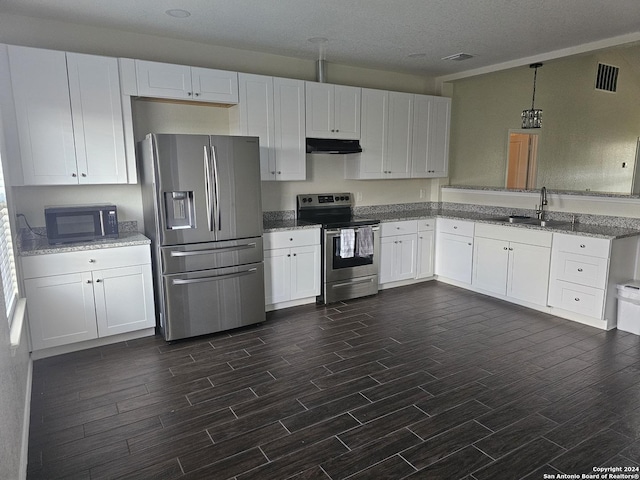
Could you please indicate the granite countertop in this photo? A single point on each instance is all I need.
(40, 246)
(288, 224)
(585, 229)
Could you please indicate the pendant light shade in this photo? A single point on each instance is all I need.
(532, 118)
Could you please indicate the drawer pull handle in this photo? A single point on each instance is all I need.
(579, 269)
(455, 228)
(510, 249)
(505, 248)
(92, 260)
(582, 245)
(577, 299)
(88, 281)
(469, 244)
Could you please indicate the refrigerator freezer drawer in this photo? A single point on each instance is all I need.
(211, 301)
(205, 256)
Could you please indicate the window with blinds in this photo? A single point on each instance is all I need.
(7, 260)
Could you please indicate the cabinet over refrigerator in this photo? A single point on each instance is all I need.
(203, 212)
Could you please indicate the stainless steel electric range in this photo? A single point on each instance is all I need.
(350, 245)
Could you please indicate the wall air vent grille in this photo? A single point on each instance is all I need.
(607, 78)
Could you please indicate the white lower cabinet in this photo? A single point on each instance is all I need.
(291, 266)
(512, 262)
(77, 296)
(585, 272)
(454, 249)
(398, 251)
(426, 247)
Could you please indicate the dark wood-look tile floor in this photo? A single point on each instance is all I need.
(427, 381)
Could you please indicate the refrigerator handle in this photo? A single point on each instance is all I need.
(190, 281)
(216, 184)
(207, 188)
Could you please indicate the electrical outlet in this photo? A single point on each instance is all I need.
(423, 193)
(358, 196)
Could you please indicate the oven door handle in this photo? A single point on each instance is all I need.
(334, 232)
(352, 282)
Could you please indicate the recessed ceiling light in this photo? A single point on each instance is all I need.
(458, 57)
(318, 40)
(417, 55)
(178, 13)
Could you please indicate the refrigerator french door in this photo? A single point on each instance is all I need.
(203, 212)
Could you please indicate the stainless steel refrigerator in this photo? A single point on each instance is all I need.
(203, 213)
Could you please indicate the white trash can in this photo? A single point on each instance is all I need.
(629, 306)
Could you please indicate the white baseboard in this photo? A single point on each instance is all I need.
(98, 342)
(24, 448)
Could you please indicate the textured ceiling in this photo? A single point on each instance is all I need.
(370, 33)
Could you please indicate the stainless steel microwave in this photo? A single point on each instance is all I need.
(81, 223)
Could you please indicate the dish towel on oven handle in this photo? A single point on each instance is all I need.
(347, 242)
(364, 244)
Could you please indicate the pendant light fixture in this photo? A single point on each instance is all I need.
(532, 118)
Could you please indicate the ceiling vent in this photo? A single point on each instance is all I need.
(607, 78)
(458, 57)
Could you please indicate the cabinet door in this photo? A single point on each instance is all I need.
(454, 256)
(210, 85)
(347, 112)
(256, 118)
(439, 125)
(163, 80)
(420, 166)
(124, 299)
(399, 134)
(94, 86)
(529, 273)
(375, 110)
(387, 259)
(305, 271)
(405, 262)
(61, 309)
(277, 275)
(289, 129)
(425, 254)
(320, 106)
(43, 114)
(430, 144)
(490, 260)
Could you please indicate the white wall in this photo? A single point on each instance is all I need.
(323, 175)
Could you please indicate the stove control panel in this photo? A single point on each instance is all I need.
(319, 200)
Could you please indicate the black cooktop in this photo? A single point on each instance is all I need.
(338, 221)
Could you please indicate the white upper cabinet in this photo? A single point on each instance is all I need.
(273, 109)
(180, 82)
(386, 135)
(333, 111)
(96, 109)
(430, 148)
(69, 117)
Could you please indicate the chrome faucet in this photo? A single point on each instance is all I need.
(543, 202)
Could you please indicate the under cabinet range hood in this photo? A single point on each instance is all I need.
(333, 145)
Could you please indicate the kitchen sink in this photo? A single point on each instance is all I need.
(523, 219)
(514, 219)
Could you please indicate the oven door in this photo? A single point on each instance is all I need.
(338, 268)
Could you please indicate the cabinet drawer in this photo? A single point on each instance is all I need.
(85, 260)
(456, 227)
(514, 234)
(580, 269)
(426, 225)
(594, 247)
(388, 229)
(576, 298)
(292, 238)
